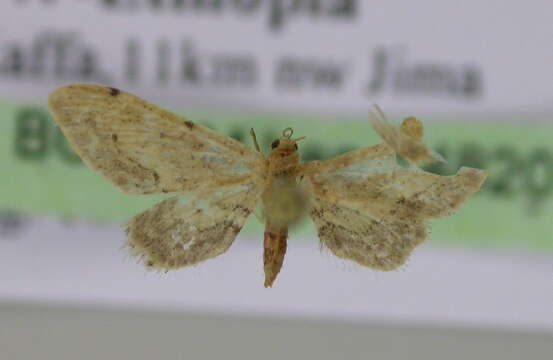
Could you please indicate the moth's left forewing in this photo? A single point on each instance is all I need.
(355, 175)
(430, 196)
(377, 158)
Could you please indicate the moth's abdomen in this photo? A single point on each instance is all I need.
(274, 244)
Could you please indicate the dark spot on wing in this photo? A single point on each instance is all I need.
(189, 124)
(114, 137)
(156, 177)
(114, 91)
(245, 211)
(235, 229)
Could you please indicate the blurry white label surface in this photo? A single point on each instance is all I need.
(73, 263)
(311, 56)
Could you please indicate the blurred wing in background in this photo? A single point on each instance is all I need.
(405, 140)
(143, 149)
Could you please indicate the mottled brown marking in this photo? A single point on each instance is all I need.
(114, 91)
(189, 124)
(241, 208)
(121, 181)
(236, 229)
(114, 137)
(90, 122)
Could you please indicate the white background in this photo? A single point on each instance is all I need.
(507, 42)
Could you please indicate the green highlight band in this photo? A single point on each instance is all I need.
(42, 176)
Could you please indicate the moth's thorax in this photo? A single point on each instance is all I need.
(283, 200)
(284, 159)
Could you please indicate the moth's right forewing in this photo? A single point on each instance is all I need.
(143, 149)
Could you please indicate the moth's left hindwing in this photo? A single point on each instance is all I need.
(370, 210)
(143, 149)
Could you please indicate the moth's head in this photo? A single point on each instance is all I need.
(285, 145)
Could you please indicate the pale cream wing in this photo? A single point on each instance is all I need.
(143, 149)
(401, 192)
(370, 210)
(352, 234)
(183, 231)
(375, 159)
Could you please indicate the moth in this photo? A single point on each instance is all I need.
(365, 206)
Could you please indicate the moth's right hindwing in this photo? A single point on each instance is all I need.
(143, 149)
(353, 234)
(185, 231)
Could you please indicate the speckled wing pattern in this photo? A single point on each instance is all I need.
(143, 149)
(370, 210)
(183, 231)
